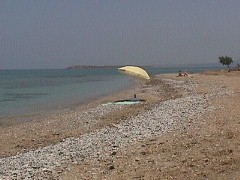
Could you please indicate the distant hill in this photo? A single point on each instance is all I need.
(98, 67)
(90, 67)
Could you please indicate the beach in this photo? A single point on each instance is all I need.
(187, 128)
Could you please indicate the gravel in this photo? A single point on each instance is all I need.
(50, 161)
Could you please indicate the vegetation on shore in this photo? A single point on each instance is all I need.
(225, 61)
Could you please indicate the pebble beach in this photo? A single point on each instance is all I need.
(49, 149)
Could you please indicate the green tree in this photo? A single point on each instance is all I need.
(225, 61)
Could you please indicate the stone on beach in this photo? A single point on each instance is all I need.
(162, 118)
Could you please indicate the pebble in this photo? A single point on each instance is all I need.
(173, 114)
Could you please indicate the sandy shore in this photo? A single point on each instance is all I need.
(53, 127)
(200, 141)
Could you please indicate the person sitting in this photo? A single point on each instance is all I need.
(185, 73)
(180, 73)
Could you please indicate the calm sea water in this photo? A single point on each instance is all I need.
(30, 91)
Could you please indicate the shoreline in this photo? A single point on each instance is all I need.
(186, 103)
(54, 126)
(11, 120)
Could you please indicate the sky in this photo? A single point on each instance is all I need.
(61, 33)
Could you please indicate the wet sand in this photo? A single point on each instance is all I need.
(208, 149)
(53, 127)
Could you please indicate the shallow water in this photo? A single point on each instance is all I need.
(27, 91)
(24, 92)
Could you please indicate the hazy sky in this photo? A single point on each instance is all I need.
(60, 33)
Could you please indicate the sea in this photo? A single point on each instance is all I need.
(24, 92)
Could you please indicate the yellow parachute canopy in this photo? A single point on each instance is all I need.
(134, 71)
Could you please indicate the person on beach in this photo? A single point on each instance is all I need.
(185, 73)
(180, 73)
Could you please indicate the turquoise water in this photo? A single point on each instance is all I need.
(30, 91)
(27, 91)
